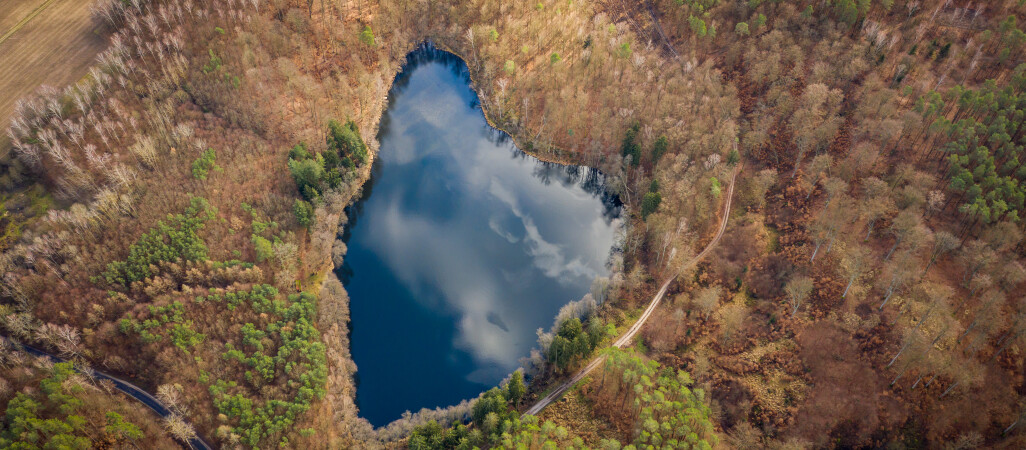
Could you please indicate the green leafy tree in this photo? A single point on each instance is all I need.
(570, 344)
(345, 141)
(698, 26)
(299, 152)
(714, 187)
(741, 29)
(630, 146)
(733, 157)
(624, 51)
(367, 36)
(308, 174)
(492, 401)
(846, 11)
(659, 148)
(204, 164)
(304, 212)
(263, 248)
(650, 203)
(760, 20)
(118, 426)
(515, 390)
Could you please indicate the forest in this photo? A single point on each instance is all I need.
(174, 216)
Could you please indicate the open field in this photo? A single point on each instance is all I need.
(55, 47)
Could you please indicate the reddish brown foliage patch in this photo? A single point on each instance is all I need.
(845, 394)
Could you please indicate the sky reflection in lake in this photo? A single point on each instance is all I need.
(462, 247)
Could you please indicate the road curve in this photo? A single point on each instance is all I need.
(633, 330)
(125, 387)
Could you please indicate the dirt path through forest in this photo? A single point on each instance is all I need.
(633, 330)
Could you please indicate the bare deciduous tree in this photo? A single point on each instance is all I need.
(798, 290)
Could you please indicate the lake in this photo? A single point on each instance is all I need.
(462, 246)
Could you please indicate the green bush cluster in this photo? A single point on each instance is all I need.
(659, 148)
(496, 426)
(304, 212)
(630, 146)
(650, 202)
(313, 171)
(297, 362)
(263, 248)
(699, 6)
(344, 141)
(367, 36)
(669, 413)
(204, 164)
(263, 236)
(984, 147)
(490, 414)
(168, 320)
(214, 63)
(172, 240)
(262, 298)
(572, 342)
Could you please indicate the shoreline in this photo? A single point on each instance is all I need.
(327, 268)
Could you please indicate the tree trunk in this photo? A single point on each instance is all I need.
(1003, 347)
(815, 251)
(895, 380)
(901, 312)
(928, 383)
(914, 330)
(830, 243)
(902, 350)
(1010, 427)
(933, 259)
(890, 292)
(894, 247)
(870, 231)
(949, 389)
(917, 382)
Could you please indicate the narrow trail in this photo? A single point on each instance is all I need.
(123, 386)
(39, 9)
(633, 330)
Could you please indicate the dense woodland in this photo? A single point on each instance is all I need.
(866, 293)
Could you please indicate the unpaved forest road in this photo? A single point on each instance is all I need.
(129, 389)
(629, 335)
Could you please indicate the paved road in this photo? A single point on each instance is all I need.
(633, 330)
(125, 387)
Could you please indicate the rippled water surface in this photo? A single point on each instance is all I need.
(462, 247)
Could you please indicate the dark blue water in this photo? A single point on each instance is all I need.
(461, 248)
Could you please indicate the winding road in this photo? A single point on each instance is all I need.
(125, 387)
(633, 330)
